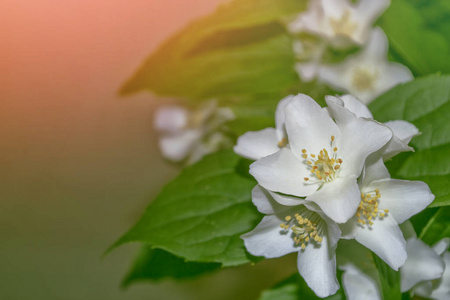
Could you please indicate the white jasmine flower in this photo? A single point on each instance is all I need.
(403, 131)
(340, 21)
(422, 272)
(425, 272)
(295, 227)
(191, 134)
(368, 73)
(384, 204)
(256, 144)
(323, 159)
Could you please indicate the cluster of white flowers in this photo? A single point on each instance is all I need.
(341, 24)
(190, 135)
(321, 178)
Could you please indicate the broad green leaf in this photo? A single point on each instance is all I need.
(241, 48)
(419, 34)
(425, 102)
(437, 227)
(295, 288)
(389, 280)
(201, 214)
(157, 264)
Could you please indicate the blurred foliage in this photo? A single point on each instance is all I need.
(418, 33)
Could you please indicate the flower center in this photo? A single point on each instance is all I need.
(344, 24)
(363, 79)
(368, 208)
(304, 229)
(322, 166)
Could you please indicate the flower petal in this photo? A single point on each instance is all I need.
(404, 130)
(358, 285)
(441, 246)
(308, 126)
(403, 198)
(170, 118)
(349, 229)
(317, 265)
(338, 199)
(442, 292)
(283, 172)
(384, 238)
(287, 200)
(268, 239)
(422, 264)
(176, 147)
(356, 106)
(280, 117)
(256, 144)
(374, 170)
(370, 10)
(359, 139)
(264, 202)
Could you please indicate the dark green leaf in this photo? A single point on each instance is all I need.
(156, 264)
(295, 288)
(419, 33)
(389, 280)
(437, 227)
(202, 213)
(241, 48)
(424, 102)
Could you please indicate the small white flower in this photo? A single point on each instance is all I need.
(256, 144)
(368, 73)
(340, 21)
(294, 227)
(422, 273)
(323, 159)
(191, 134)
(426, 272)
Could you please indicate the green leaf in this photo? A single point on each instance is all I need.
(418, 33)
(437, 227)
(425, 102)
(389, 280)
(295, 288)
(241, 48)
(201, 214)
(157, 264)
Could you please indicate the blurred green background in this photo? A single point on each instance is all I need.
(78, 163)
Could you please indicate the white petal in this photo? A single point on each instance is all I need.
(349, 229)
(264, 202)
(317, 265)
(423, 289)
(308, 126)
(338, 199)
(338, 112)
(280, 117)
(442, 292)
(384, 238)
(268, 239)
(394, 147)
(176, 147)
(376, 47)
(441, 246)
(403, 198)
(170, 118)
(356, 106)
(307, 71)
(287, 200)
(256, 144)
(359, 286)
(283, 172)
(359, 139)
(393, 74)
(374, 170)
(422, 264)
(404, 130)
